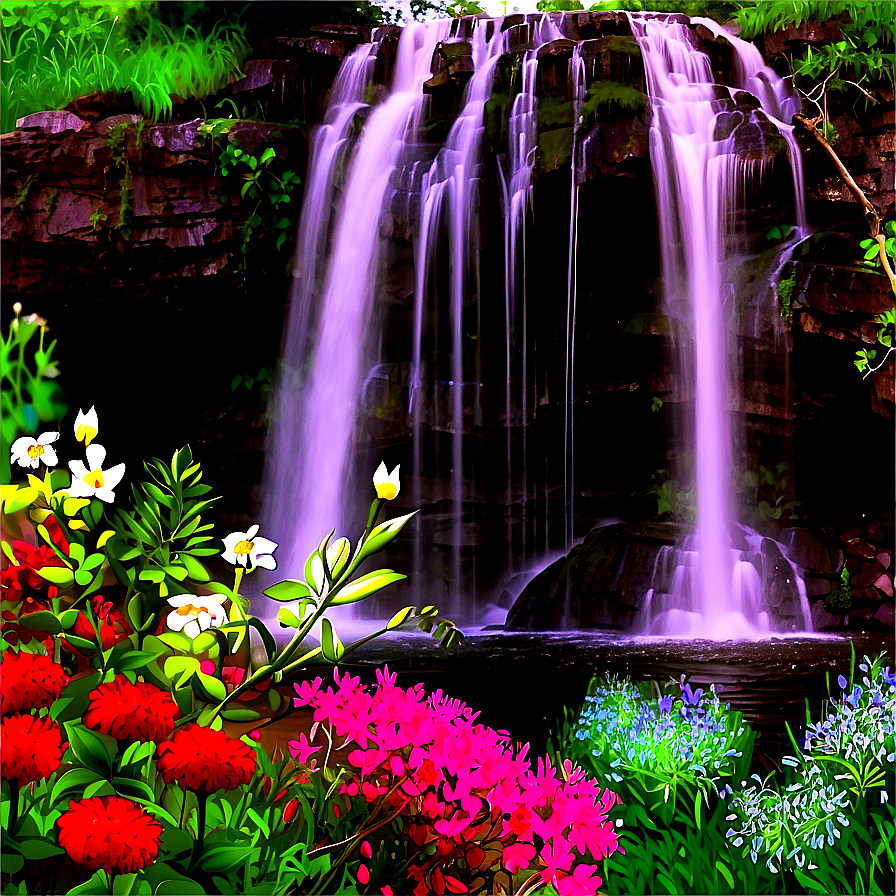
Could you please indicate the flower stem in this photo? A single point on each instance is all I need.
(13, 806)
(202, 796)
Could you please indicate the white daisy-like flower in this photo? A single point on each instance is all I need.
(29, 452)
(193, 614)
(387, 485)
(92, 479)
(86, 426)
(249, 549)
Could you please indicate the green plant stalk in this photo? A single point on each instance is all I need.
(282, 663)
(202, 797)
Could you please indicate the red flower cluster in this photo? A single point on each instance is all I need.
(203, 759)
(111, 833)
(31, 748)
(134, 712)
(29, 681)
(232, 676)
(475, 812)
(18, 581)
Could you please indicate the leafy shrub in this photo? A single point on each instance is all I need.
(830, 828)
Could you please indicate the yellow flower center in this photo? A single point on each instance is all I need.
(386, 491)
(35, 450)
(190, 610)
(243, 547)
(94, 479)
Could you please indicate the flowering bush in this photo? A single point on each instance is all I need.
(672, 754)
(435, 803)
(832, 825)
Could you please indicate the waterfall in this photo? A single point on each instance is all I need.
(450, 195)
(702, 175)
(309, 452)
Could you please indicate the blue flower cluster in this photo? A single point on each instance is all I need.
(691, 734)
(843, 760)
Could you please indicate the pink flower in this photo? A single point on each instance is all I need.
(363, 874)
(556, 857)
(301, 750)
(518, 857)
(306, 691)
(584, 880)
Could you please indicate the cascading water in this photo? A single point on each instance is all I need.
(310, 450)
(702, 175)
(450, 195)
(373, 170)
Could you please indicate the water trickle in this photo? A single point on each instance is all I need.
(709, 147)
(308, 473)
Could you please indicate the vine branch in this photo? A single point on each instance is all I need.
(872, 215)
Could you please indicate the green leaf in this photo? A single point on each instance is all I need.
(330, 645)
(288, 590)
(240, 715)
(22, 498)
(208, 687)
(225, 858)
(365, 586)
(74, 779)
(183, 666)
(42, 621)
(95, 886)
(57, 575)
(130, 787)
(287, 618)
(180, 887)
(93, 750)
(133, 659)
(400, 618)
(194, 568)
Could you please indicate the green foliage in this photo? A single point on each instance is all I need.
(158, 546)
(261, 381)
(30, 394)
(264, 192)
(671, 753)
(829, 827)
(670, 499)
(769, 487)
(785, 296)
(839, 601)
(872, 248)
(612, 98)
(558, 5)
(886, 330)
(862, 58)
(54, 52)
(720, 11)
(23, 190)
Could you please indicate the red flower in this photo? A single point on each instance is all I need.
(111, 833)
(29, 681)
(17, 578)
(113, 627)
(128, 711)
(31, 748)
(203, 759)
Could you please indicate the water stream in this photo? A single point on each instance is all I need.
(705, 159)
(368, 160)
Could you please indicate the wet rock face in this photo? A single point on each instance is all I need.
(602, 583)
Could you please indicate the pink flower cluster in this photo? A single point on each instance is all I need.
(473, 811)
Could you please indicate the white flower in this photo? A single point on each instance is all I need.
(386, 484)
(93, 479)
(192, 618)
(29, 452)
(249, 549)
(86, 426)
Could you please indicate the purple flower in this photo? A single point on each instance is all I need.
(665, 705)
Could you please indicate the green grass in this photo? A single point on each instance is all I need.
(56, 51)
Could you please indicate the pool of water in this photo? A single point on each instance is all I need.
(521, 681)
